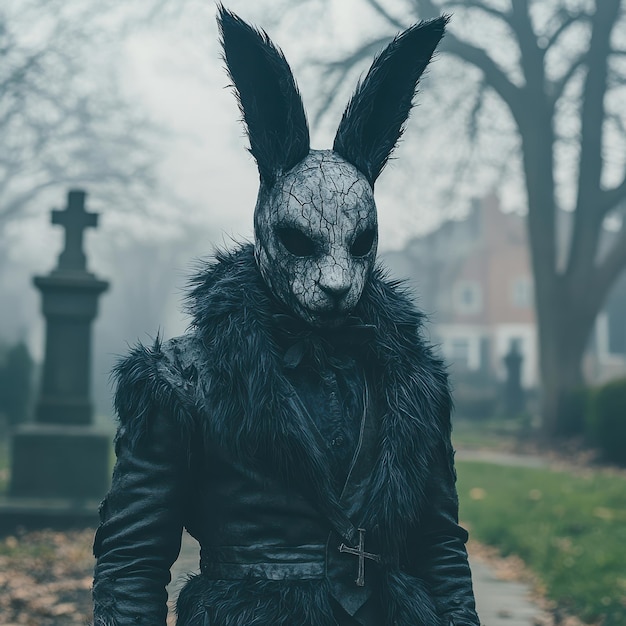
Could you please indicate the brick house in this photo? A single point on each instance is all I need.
(473, 278)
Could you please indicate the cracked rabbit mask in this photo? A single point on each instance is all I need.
(315, 237)
(315, 221)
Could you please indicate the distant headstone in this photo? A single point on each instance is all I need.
(16, 378)
(514, 396)
(70, 304)
(62, 455)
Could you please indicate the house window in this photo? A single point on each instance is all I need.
(522, 292)
(460, 351)
(468, 297)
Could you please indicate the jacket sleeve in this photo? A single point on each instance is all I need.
(440, 556)
(140, 532)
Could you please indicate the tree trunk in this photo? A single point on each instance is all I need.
(564, 335)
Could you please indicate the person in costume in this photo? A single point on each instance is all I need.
(300, 430)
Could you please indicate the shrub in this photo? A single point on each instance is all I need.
(16, 381)
(475, 403)
(476, 394)
(607, 420)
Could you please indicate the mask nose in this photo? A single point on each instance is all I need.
(336, 291)
(335, 279)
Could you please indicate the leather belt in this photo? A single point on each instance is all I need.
(268, 562)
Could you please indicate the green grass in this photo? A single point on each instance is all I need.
(570, 531)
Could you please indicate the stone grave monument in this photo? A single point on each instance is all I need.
(61, 461)
(514, 395)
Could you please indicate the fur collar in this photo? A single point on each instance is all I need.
(253, 413)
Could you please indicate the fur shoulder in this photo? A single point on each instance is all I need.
(402, 346)
(155, 378)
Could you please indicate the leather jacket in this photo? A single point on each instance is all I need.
(248, 524)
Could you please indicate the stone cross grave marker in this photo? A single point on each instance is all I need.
(74, 219)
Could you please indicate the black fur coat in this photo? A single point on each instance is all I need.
(209, 423)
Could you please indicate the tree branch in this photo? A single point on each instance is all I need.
(495, 77)
(556, 88)
(532, 57)
(611, 198)
(384, 13)
(505, 16)
(592, 115)
(472, 126)
(571, 19)
(587, 217)
(426, 9)
(18, 202)
(340, 69)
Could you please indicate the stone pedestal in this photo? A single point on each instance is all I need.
(70, 304)
(54, 461)
(59, 475)
(61, 463)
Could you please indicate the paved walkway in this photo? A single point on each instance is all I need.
(499, 602)
(501, 458)
(503, 602)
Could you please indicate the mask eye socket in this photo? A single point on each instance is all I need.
(295, 241)
(362, 244)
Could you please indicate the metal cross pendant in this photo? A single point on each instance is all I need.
(360, 552)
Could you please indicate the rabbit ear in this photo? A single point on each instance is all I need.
(268, 97)
(374, 118)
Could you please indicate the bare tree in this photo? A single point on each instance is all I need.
(562, 78)
(63, 118)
